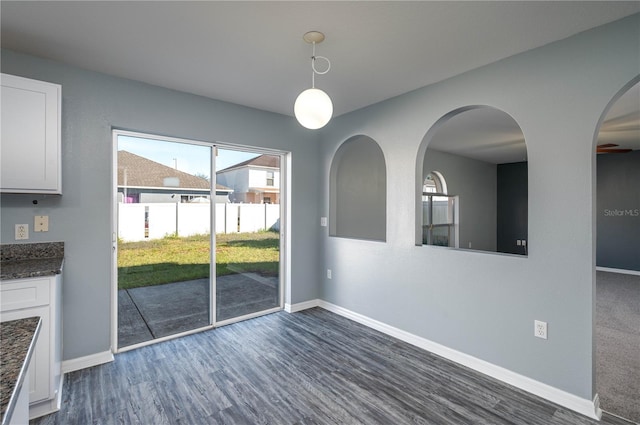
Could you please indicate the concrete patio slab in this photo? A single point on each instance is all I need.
(173, 307)
(240, 294)
(155, 311)
(131, 326)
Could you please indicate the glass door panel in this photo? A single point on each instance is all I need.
(247, 211)
(164, 238)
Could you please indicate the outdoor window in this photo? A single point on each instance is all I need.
(270, 177)
(439, 217)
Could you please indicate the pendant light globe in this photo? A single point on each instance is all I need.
(313, 108)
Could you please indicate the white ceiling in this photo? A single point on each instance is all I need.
(491, 135)
(252, 53)
(485, 133)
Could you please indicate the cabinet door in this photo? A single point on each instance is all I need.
(30, 143)
(39, 368)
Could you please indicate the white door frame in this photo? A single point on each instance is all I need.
(285, 238)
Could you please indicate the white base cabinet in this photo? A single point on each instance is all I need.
(30, 136)
(41, 296)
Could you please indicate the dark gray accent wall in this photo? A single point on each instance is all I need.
(513, 203)
(618, 211)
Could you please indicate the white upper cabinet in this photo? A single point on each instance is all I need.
(30, 145)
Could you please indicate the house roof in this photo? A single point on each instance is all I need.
(143, 172)
(271, 161)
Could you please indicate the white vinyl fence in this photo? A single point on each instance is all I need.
(184, 219)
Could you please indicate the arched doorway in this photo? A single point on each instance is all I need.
(617, 336)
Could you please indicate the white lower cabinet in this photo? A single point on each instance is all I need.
(22, 298)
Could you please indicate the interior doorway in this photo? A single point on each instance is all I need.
(617, 285)
(192, 252)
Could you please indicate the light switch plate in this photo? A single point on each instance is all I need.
(41, 223)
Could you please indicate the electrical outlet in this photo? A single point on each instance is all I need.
(328, 273)
(540, 329)
(22, 231)
(524, 242)
(323, 221)
(518, 242)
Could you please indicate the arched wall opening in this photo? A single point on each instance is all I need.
(358, 191)
(616, 153)
(481, 153)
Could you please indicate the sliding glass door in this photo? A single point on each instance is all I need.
(164, 238)
(247, 234)
(173, 201)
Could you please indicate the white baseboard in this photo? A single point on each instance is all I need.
(292, 308)
(87, 361)
(589, 408)
(585, 407)
(49, 406)
(623, 271)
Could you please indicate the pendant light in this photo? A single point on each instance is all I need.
(313, 108)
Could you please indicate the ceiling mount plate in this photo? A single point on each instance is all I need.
(313, 37)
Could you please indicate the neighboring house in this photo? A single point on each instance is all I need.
(141, 180)
(256, 181)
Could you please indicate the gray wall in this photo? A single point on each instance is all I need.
(478, 303)
(359, 191)
(93, 104)
(618, 211)
(475, 183)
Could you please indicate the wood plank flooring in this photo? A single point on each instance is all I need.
(311, 367)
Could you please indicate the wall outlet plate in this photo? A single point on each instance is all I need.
(22, 232)
(41, 223)
(540, 329)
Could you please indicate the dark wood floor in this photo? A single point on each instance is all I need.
(311, 367)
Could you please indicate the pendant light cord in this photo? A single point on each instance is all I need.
(313, 66)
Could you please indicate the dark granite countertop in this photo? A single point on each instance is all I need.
(18, 261)
(18, 341)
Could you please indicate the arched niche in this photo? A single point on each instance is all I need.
(481, 154)
(358, 191)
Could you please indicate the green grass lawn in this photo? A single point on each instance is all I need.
(176, 259)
